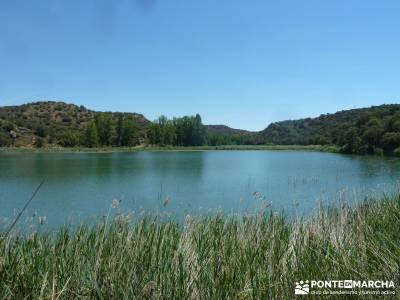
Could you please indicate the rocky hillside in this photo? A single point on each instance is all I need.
(50, 121)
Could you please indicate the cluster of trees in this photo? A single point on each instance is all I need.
(102, 131)
(374, 130)
(190, 131)
(371, 134)
(185, 131)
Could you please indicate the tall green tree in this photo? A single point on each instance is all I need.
(104, 128)
(185, 131)
(198, 131)
(153, 134)
(351, 140)
(129, 133)
(91, 136)
(373, 132)
(119, 130)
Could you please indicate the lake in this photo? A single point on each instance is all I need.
(80, 187)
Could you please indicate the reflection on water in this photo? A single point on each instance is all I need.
(81, 186)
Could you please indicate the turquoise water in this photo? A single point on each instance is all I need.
(80, 187)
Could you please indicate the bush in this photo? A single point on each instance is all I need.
(41, 130)
(378, 151)
(363, 149)
(67, 119)
(39, 142)
(396, 152)
(7, 126)
(5, 139)
(391, 140)
(68, 139)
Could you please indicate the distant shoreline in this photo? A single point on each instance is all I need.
(318, 148)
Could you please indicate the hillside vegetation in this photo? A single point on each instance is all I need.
(40, 123)
(218, 135)
(57, 123)
(374, 130)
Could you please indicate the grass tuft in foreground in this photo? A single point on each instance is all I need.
(254, 257)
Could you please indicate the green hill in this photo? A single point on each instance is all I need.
(366, 130)
(218, 135)
(223, 129)
(53, 122)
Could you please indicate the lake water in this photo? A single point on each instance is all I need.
(80, 187)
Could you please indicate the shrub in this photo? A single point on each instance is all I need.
(67, 119)
(7, 126)
(391, 140)
(396, 152)
(39, 142)
(378, 151)
(41, 130)
(5, 139)
(68, 139)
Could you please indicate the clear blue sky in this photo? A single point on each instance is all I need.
(240, 63)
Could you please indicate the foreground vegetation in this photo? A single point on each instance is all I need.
(252, 257)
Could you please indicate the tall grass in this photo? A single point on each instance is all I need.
(251, 257)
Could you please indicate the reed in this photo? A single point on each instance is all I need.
(219, 257)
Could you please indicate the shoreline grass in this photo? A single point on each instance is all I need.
(318, 148)
(251, 257)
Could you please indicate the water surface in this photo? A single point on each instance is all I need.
(80, 187)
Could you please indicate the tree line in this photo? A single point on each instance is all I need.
(367, 131)
(103, 131)
(372, 135)
(222, 139)
(374, 130)
(184, 131)
(112, 129)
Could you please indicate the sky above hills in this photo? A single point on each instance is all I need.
(235, 63)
